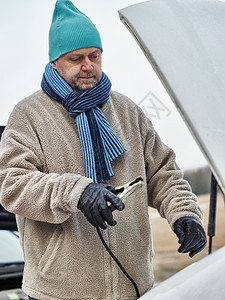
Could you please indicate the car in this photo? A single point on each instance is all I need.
(184, 46)
(11, 258)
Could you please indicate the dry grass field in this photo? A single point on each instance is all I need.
(167, 261)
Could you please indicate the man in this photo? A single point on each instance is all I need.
(64, 149)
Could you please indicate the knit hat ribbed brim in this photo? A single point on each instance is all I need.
(71, 30)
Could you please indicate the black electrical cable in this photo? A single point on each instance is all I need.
(118, 263)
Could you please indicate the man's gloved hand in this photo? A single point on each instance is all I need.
(191, 235)
(93, 204)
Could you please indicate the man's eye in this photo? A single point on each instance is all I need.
(76, 59)
(94, 57)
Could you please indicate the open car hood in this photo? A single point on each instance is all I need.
(184, 42)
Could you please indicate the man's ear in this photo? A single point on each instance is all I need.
(53, 64)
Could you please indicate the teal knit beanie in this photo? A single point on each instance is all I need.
(70, 30)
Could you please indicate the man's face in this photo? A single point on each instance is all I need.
(81, 68)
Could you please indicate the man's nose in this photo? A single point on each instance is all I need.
(86, 65)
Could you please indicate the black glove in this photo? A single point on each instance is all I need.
(93, 204)
(191, 235)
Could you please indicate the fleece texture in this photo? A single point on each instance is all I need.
(42, 176)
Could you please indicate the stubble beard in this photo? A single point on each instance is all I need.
(77, 84)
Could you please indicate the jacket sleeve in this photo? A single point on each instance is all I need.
(168, 192)
(26, 188)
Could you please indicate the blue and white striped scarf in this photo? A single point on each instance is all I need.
(100, 144)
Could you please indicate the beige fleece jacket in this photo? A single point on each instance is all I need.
(41, 179)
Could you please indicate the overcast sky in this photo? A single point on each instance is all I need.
(24, 53)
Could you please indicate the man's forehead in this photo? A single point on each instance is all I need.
(85, 51)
